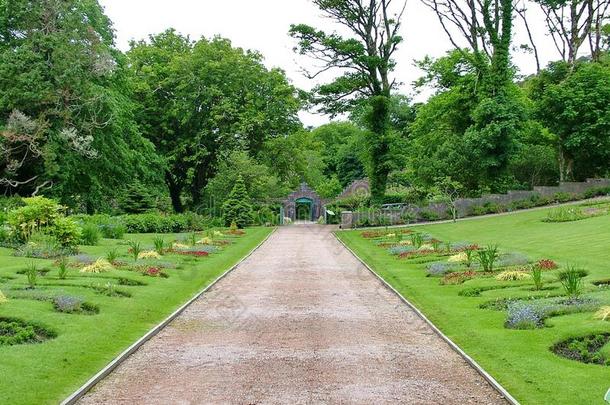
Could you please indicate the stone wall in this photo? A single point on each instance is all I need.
(464, 206)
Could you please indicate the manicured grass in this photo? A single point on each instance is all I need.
(519, 359)
(50, 371)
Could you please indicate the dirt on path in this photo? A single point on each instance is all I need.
(300, 321)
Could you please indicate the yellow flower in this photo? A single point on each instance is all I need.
(149, 254)
(204, 241)
(406, 242)
(217, 233)
(390, 235)
(3, 299)
(180, 246)
(460, 257)
(426, 247)
(100, 266)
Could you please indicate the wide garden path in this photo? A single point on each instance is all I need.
(299, 321)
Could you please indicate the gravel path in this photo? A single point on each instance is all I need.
(300, 321)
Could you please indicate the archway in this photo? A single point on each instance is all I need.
(304, 209)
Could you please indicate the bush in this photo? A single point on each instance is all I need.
(37, 214)
(90, 235)
(237, 207)
(67, 232)
(428, 215)
(487, 208)
(596, 192)
(565, 197)
(136, 199)
(100, 266)
(158, 223)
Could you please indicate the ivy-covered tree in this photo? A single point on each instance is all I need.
(366, 59)
(237, 207)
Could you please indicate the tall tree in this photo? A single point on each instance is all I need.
(200, 101)
(366, 61)
(65, 114)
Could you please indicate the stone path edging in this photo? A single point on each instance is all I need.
(72, 399)
(492, 381)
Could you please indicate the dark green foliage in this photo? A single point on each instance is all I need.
(63, 97)
(585, 349)
(90, 235)
(136, 199)
(240, 105)
(237, 208)
(575, 106)
(158, 223)
(16, 331)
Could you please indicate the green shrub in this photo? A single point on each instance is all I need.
(487, 208)
(428, 215)
(158, 223)
(67, 232)
(237, 207)
(37, 213)
(90, 235)
(597, 192)
(136, 199)
(565, 197)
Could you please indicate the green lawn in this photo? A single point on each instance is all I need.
(50, 371)
(519, 359)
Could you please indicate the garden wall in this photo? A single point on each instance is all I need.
(465, 206)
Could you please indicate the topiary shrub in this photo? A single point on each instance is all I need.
(237, 207)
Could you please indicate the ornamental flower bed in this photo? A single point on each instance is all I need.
(154, 272)
(458, 277)
(547, 264)
(196, 253)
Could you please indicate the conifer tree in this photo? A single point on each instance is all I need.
(237, 207)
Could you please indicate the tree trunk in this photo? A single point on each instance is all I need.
(174, 192)
(566, 166)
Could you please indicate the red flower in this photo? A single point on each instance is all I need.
(547, 264)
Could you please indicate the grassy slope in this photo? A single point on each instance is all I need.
(519, 359)
(49, 372)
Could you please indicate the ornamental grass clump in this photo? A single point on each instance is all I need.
(571, 280)
(537, 277)
(149, 254)
(487, 257)
(100, 266)
(459, 258)
(159, 243)
(31, 273)
(603, 314)
(135, 249)
(417, 240)
(112, 256)
(513, 275)
(62, 265)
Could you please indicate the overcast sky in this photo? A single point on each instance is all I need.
(263, 25)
